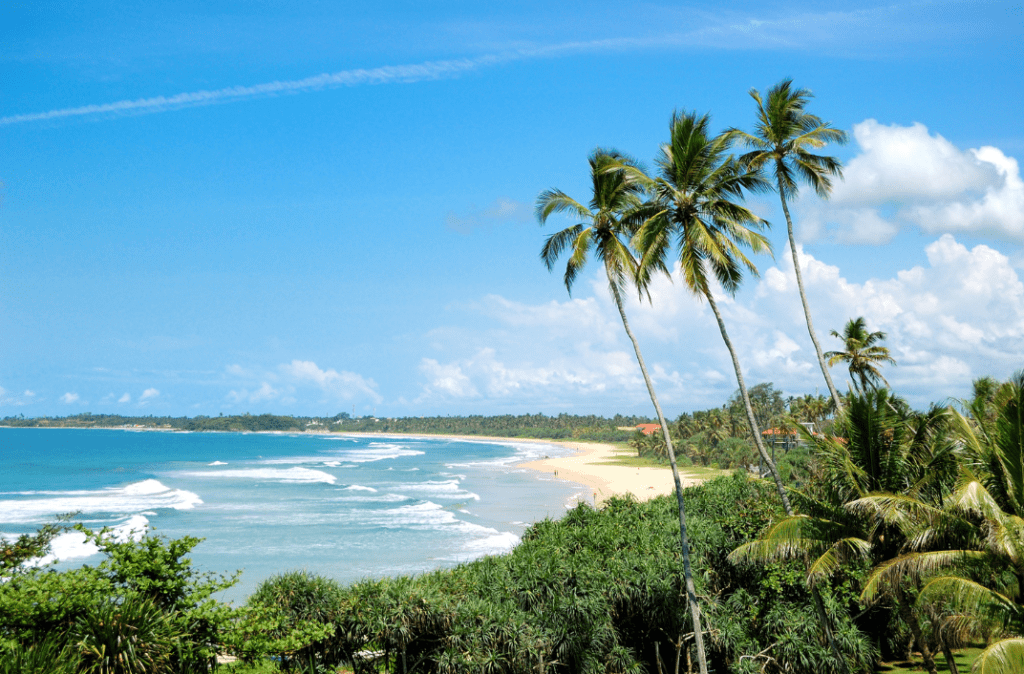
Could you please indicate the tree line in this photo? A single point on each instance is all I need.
(561, 426)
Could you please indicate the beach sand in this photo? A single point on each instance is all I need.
(589, 466)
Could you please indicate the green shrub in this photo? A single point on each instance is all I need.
(50, 656)
(130, 636)
(292, 616)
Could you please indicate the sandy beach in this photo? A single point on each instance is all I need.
(590, 466)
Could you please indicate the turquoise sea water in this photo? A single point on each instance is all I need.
(344, 507)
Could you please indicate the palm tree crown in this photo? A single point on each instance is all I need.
(863, 353)
(606, 227)
(697, 193)
(602, 227)
(782, 142)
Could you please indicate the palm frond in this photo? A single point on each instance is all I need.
(837, 557)
(557, 201)
(890, 572)
(1002, 657)
(962, 595)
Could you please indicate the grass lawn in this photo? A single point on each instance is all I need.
(964, 659)
(626, 456)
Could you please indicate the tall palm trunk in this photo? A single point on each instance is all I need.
(807, 310)
(754, 430)
(815, 595)
(691, 592)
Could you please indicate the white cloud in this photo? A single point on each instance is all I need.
(958, 318)
(955, 318)
(905, 176)
(69, 398)
(149, 394)
(500, 210)
(448, 379)
(338, 385)
(299, 380)
(7, 398)
(264, 393)
(126, 398)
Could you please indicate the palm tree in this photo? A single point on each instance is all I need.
(879, 446)
(604, 228)
(695, 201)
(863, 354)
(783, 137)
(970, 546)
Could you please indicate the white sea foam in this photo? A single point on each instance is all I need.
(359, 487)
(440, 489)
(377, 451)
(218, 463)
(524, 453)
(133, 498)
(495, 544)
(73, 544)
(291, 475)
(431, 516)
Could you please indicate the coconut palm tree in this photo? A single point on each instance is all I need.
(604, 228)
(863, 352)
(695, 201)
(783, 138)
(879, 446)
(969, 549)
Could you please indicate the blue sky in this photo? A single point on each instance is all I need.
(310, 208)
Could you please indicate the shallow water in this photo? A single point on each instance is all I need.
(344, 507)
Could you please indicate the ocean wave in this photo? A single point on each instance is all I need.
(133, 498)
(432, 516)
(218, 463)
(73, 544)
(291, 475)
(524, 453)
(495, 544)
(439, 489)
(377, 451)
(359, 487)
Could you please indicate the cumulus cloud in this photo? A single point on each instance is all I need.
(69, 398)
(148, 395)
(126, 398)
(500, 210)
(957, 317)
(338, 385)
(299, 380)
(906, 176)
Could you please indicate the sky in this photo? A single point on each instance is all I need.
(315, 207)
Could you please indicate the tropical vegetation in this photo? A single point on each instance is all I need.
(884, 531)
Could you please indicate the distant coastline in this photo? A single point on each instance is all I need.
(592, 463)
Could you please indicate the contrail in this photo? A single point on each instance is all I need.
(430, 70)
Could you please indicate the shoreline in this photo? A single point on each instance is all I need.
(589, 465)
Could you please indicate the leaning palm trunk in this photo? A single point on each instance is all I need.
(815, 595)
(807, 310)
(691, 592)
(755, 431)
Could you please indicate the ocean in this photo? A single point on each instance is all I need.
(345, 507)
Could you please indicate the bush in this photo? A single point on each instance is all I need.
(130, 636)
(292, 616)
